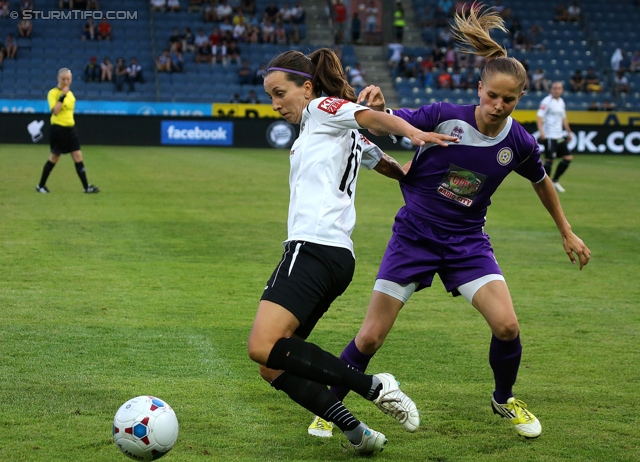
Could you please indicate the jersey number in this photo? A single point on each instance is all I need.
(352, 162)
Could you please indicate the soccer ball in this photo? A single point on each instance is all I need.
(145, 428)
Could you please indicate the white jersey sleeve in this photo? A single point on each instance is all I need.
(371, 153)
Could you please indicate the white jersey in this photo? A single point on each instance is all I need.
(325, 161)
(553, 112)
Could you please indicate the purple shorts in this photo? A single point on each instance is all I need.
(416, 252)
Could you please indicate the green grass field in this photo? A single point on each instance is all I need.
(150, 287)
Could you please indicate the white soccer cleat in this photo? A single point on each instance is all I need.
(321, 428)
(559, 187)
(372, 442)
(394, 402)
(525, 423)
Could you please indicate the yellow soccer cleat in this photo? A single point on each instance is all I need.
(320, 427)
(516, 411)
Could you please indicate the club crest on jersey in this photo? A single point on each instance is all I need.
(504, 156)
(457, 132)
(331, 104)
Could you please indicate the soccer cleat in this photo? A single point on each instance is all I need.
(91, 189)
(516, 411)
(559, 187)
(42, 189)
(371, 443)
(394, 402)
(320, 427)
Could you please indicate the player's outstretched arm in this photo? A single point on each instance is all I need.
(372, 94)
(389, 167)
(572, 244)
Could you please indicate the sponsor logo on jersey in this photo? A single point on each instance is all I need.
(461, 185)
(504, 156)
(331, 104)
(457, 132)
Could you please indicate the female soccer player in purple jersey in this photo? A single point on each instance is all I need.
(447, 192)
(318, 261)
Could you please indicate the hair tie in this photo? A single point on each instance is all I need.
(304, 74)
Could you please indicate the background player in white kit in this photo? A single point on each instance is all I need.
(552, 119)
(318, 261)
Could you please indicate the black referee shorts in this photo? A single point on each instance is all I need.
(556, 148)
(308, 279)
(63, 140)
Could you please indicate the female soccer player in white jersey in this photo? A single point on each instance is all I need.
(441, 227)
(318, 260)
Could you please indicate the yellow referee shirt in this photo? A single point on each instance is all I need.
(65, 116)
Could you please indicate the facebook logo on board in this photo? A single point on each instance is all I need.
(197, 132)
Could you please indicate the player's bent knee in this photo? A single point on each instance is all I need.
(507, 331)
(369, 341)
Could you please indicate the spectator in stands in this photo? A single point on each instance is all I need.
(574, 12)
(536, 37)
(470, 80)
(93, 5)
(286, 13)
(245, 73)
(447, 8)
(395, 50)
(503, 11)
(106, 71)
(538, 81)
(551, 120)
(252, 98)
(26, 5)
(299, 15)
(577, 81)
(438, 54)
(356, 28)
(219, 53)
(450, 56)
(226, 28)
(258, 75)
(65, 4)
(25, 27)
(203, 48)
(175, 40)
(253, 35)
(188, 40)
(428, 78)
(216, 36)
(444, 37)
(272, 12)
(281, 35)
(371, 12)
(89, 30)
(158, 5)
(10, 47)
(616, 59)
(239, 18)
(173, 5)
(177, 63)
(92, 71)
(399, 21)
(4, 8)
(562, 13)
(235, 99)
(592, 81)
(444, 80)
(134, 74)
(267, 31)
(195, 6)
(104, 30)
(248, 6)
(224, 11)
(356, 77)
(210, 14)
(163, 62)
(634, 62)
(121, 74)
(456, 77)
(593, 106)
(440, 17)
(240, 32)
(608, 105)
(233, 52)
(339, 16)
(620, 83)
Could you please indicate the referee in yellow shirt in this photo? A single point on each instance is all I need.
(63, 136)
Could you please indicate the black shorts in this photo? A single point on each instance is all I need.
(556, 148)
(63, 140)
(308, 279)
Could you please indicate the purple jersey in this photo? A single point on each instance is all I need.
(451, 187)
